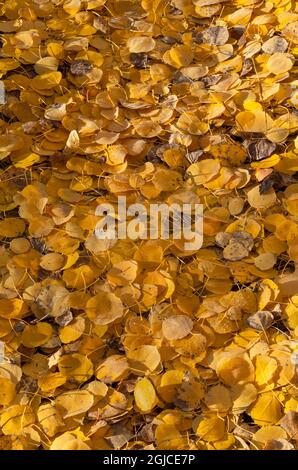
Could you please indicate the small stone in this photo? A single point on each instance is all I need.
(80, 68)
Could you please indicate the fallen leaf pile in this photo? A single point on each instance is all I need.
(139, 344)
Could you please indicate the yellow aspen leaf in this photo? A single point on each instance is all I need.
(46, 81)
(203, 171)
(148, 129)
(143, 359)
(76, 366)
(279, 63)
(290, 424)
(290, 31)
(112, 369)
(211, 429)
(52, 261)
(168, 436)
(266, 410)
(12, 227)
(145, 395)
(55, 50)
(226, 443)
(243, 396)
(7, 391)
(72, 6)
(169, 385)
(68, 441)
(267, 433)
(192, 346)
(20, 245)
(234, 368)
(177, 327)
(191, 123)
(104, 308)
(261, 201)
(36, 335)
(123, 273)
(218, 398)
(266, 369)
(50, 419)
(15, 418)
(50, 381)
(72, 331)
(46, 64)
(80, 277)
(178, 56)
(12, 308)
(140, 44)
(74, 403)
(265, 261)
(273, 245)
(254, 121)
